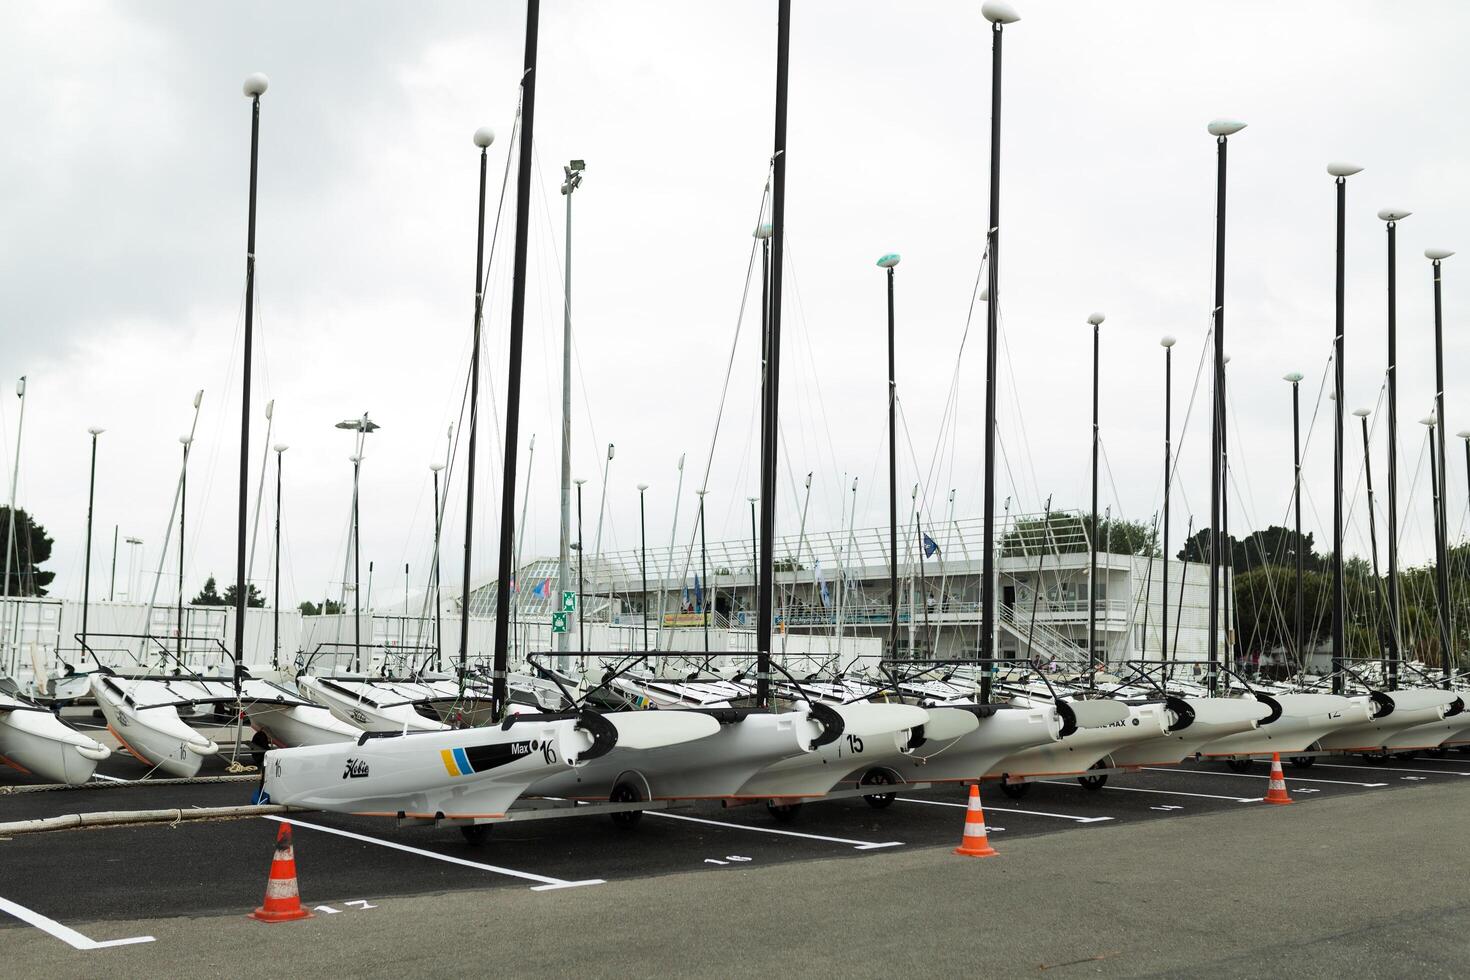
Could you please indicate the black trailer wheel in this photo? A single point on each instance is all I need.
(475, 833)
(1015, 791)
(1093, 783)
(879, 777)
(1239, 765)
(260, 743)
(782, 812)
(626, 793)
(1303, 762)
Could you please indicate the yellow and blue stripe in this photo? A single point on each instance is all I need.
(456, 763)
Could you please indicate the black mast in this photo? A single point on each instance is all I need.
(887, 263)
(1340, 171)
(1391, 217)
(1168, 344)
(772, 394)
(513, 384)
(1436, 256)
(999, 15)
(254, 88)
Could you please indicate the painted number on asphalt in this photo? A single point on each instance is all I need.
(362, 904)
(1166, 807)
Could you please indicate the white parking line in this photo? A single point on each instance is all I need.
(67, 935)
(1001, 809)
(861, 845)
(1436, 772)
(547, 884)
(1159, 792)
(1251, 775)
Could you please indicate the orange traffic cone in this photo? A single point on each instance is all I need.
(282, 902)
(1276, 788)
(975, 843)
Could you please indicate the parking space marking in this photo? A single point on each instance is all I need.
(861, 845)
(546, 883)
(1432, 772)
(67, 935)
(1001, 809)
(1161, 792)
(1251, 775)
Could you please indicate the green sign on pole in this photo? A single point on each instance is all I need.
(569, 602)
(558, 622)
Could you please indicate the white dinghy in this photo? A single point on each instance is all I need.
(464, 774)
(1192, 724)
(373, 706)
(35, 741)
(1104, 726)
(283, 719)
(142, 714)
(872, 741)
(962, 742)
(1451, 730)
(1389, 714)
(1294, 724)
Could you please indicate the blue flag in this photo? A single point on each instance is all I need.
(930, 548)
(822, 585)
(698, 594)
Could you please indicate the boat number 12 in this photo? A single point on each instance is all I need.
(854, 744)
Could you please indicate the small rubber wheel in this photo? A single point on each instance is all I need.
(475, 833)
(879, 777)
(1239, 765)
(782, 812)
(626, 793)
(1093, 783)
(1015, 791)
(1303, 762)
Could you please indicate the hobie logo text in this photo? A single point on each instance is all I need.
(355, 769)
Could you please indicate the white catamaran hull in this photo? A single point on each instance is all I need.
(364, 713)
(1196, 722)
(291, 725)
(963, 743)
(151, 732)
(1078, 752)
(469, 773)
(713, 766)
(874, 736)
(1396, 712)
(1299, 721)
(37, 742)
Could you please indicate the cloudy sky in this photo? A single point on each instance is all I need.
(123, 196)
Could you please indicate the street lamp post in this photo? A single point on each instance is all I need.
(87, 564)
(1362, 414)
(363, 427)
(186, 442)
(573, 171)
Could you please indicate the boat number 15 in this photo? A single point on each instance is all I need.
(854, 744)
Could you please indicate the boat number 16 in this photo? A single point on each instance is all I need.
(854, 744)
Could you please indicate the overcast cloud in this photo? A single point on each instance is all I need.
(122, 197)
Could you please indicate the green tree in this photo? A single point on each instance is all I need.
(1070, 534)
(32, 548)
(209, 595)
(253, 598)
(309, 608)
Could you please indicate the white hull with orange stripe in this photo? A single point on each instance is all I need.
(148, 727)
(37, 742)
